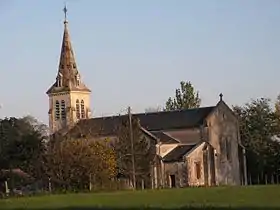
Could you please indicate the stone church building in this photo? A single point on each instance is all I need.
(194, 147)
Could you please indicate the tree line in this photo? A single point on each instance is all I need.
(62, 163)
(69, 164)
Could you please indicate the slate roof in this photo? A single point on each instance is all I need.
(165, 120)
(177, 154)
(164, 138)
(155, 121)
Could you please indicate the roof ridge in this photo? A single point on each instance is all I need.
(160, 121)
(178, 110)
(156, 112)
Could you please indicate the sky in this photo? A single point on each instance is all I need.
(136, 52)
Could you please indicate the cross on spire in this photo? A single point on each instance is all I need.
(221, 96)
(65, 13)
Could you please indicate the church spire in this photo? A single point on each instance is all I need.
(69, 98)
(67, 64)
(68, 76)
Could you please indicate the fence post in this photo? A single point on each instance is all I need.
(250, 179)
(272, 179)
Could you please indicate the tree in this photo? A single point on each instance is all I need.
(277, 113)
(277, 105)
(143, 151)
(37, 126)
(75, 164)
(153, 109)
(185, 98)
(258, 126)
(21, 149)
(21, 146)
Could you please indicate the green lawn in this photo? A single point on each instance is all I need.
(255, 197)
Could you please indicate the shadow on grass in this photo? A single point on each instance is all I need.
(158, 208)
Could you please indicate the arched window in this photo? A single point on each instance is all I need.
(63, 111)
(57, 110)
(82, 109)
(78, 115)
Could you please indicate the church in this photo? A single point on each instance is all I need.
(194, 147)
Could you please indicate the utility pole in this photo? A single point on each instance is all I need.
(132, 148)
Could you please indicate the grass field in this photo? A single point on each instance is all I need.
(251, 198)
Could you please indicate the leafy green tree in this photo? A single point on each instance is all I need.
(21, 145)
(143, 152)
(185, 98)
(36, 126)
(258, 126)
(277, 113)
(75, 164)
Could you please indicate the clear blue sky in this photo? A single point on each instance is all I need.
(135, 52)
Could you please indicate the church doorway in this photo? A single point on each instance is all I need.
(172, 181)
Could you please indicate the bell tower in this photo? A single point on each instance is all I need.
(69, 98)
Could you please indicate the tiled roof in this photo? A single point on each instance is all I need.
(156, 121)
(178, 153)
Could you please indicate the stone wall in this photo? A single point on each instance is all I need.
(223, 134)
(179, 172)
(195, 167)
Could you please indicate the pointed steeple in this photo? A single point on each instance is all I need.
(68, 77)
(69, 98)
(67, 64)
